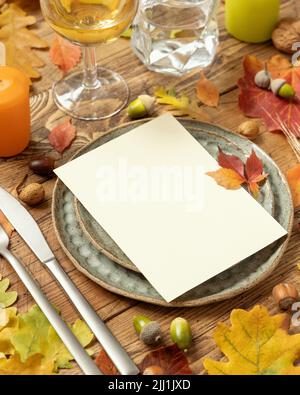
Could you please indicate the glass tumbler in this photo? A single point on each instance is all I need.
(176, 36)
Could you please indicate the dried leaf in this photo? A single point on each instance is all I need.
(255, 344)
(171, 359)
(36, 336)
(207, 92)
(6, 225)
(33, 366)
(293, 177)
(179, 106)
(19, 40)
(64, 54)
(105, 364)
(55, 350)
(234, 173)
(227, 178)
(29, 341)
(62, 136)
(6, 298)
(262, 103)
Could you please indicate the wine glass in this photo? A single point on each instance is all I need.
(95, 92)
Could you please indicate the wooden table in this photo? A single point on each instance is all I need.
(115, 310)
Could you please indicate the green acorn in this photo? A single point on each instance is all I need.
(148, 331)
(141, 107)
(282, 88)
(181, 333)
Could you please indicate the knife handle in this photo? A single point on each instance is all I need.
(69, 339)
(110, 344)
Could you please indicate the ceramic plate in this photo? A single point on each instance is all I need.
(82, 250)
(211, 141)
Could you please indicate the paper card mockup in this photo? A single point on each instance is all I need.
(149, 190)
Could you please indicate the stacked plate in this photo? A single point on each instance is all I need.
(95, 254)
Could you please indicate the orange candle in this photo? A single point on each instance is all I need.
(14, 111)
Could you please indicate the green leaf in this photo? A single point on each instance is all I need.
(6, 298)
(33, 329)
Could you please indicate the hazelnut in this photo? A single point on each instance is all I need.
(33, 194)
(285, 295)
(153, 370)
(249, 129)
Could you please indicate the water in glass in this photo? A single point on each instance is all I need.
(175, 36)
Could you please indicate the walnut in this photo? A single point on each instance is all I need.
(286, 34)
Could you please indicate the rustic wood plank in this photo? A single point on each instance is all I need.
(115, 310)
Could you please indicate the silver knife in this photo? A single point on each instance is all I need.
(30, 232)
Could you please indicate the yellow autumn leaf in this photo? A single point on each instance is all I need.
(255, 344)
(179, 106)
(33, 366)
(55, 350)
(6, 298)
(9, 321)
(19, 40)
(227, 178)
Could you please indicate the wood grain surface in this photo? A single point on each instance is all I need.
(115, 310)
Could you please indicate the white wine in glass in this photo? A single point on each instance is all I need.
(94, 92)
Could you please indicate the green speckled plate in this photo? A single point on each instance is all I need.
(88, 258)
(104, 243)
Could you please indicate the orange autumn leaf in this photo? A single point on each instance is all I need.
(6, 225)
(227, 178)
(64, 54)
(105, 364)
(293, 177)
(62, 135)
(255, 344)
(233, 173)
(207, 92)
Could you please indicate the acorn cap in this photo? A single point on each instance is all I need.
(277, 84)
(151, 333)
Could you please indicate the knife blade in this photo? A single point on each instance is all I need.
(30, 232)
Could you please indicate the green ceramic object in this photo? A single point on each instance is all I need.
(80, 240)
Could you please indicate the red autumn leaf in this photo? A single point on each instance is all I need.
(234, 173)
(262, 103)
(231, 162)
(64, 54)
(171, 359)
(62, 136)
(105, 364)
(207, 92)
(254, 167)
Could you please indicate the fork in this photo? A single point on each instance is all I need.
(69, 339)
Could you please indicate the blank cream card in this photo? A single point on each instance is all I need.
(149, 190)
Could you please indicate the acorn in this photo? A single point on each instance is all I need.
(282, 88)
(181, 333)
(148, 331)
(141, 107)
(285, 295)
(262, 79)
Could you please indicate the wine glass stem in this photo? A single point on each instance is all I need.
(90, 68)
